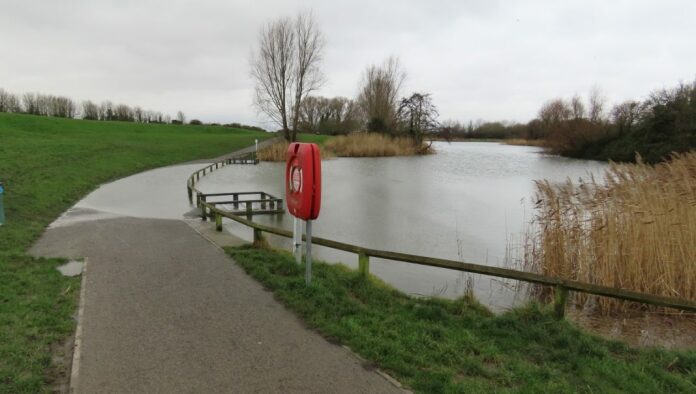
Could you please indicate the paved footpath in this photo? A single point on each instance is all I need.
(166, 311)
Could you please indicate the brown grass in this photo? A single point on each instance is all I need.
(354, 145)
(374, 145)
(636, 230)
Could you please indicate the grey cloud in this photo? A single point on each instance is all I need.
(490, 60)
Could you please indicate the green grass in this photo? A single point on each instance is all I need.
(48, 164)
(442, 346)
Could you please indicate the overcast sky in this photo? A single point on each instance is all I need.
(479, 59)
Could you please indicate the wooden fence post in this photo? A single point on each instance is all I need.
(218, 222)
(364, 264)
(202, 204)
(235, 197)
(248, 210)
(560, 299)
(258, 238)
(190, 194)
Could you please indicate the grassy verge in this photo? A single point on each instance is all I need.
(435, 345)
(47, 164)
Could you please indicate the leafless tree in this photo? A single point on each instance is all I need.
(30, 103)
(625, 116)
(577, 107)
(286, 69)
(90, 110)
(9, 102)
(180, 117)
(379, 94)
(272, 71)
(307, 74)
(597, 102)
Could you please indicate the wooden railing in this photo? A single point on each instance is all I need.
(562, 286)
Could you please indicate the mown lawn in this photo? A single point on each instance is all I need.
(442, 346)
(48, 164)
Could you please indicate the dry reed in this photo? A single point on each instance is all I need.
(354, 145)
(374, 145)
(636, 230)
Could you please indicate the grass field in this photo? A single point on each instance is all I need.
(441, 346)
(48, 164)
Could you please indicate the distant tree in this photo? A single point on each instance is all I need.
(379, 92)
(180, 117)
(30, 103)
(195, 122)
(624, 116)
(597, 103)
(285, 69)
(9, 102)
(418, 115)
(90, 110)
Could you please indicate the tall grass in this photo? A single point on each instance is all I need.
(374, 145)
(636, 230)
(354, 145)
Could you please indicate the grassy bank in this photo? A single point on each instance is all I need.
(633, 231)
(435, 345)
(47, 164)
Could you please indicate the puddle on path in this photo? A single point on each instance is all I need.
(155, 194)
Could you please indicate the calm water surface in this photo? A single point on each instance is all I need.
(469, 202)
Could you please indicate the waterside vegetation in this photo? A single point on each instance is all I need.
(633, 230)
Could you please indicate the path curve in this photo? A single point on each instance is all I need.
(165, 310)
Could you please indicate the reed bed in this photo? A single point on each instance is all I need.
(354, 145)
(374, 145)
(636, 230)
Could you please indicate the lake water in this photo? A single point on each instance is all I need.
(469, 202)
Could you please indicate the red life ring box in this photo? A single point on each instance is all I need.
(303, 180)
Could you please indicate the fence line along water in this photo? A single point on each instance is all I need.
(562, 286)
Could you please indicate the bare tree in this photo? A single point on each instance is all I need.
(9, 102)
(307, 74)
(272, 70)
(90, 110)
(577, 107)
(597, 102)
(180, 117)
(379, 94)
(625, 116)
(30, 102)
(286, 69)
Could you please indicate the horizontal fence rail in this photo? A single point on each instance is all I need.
(562, 285)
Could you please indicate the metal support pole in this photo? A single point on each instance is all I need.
(297, 239)
(308, 255)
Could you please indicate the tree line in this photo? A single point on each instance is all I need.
(65, 107)
(653, 128)
(286, 69)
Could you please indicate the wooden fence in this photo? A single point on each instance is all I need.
(562, 286)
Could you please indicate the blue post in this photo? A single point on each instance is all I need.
(2, 205)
